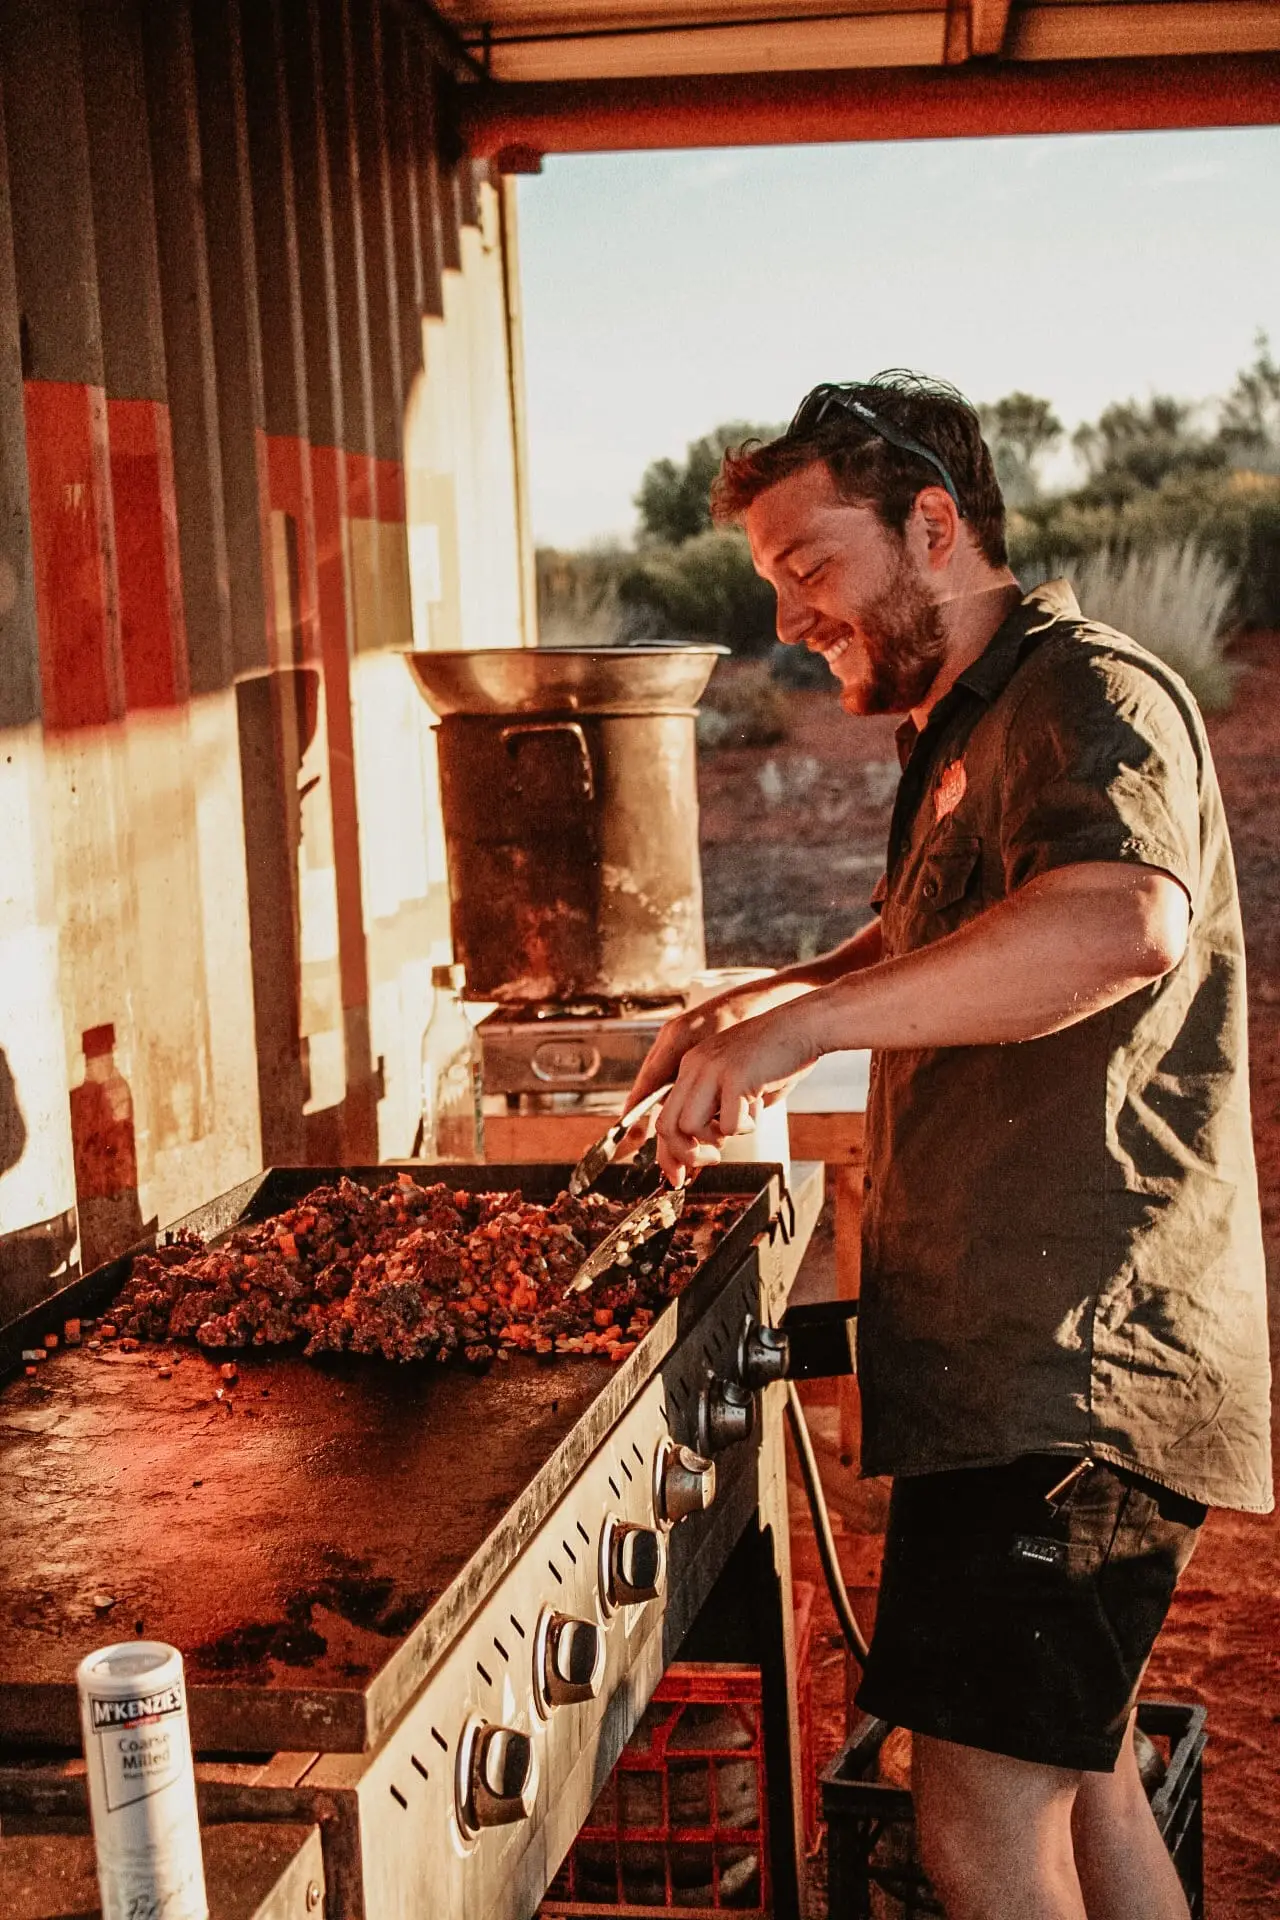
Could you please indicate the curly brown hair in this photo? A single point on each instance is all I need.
(867, 457)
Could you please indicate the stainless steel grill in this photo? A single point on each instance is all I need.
(419, 1608)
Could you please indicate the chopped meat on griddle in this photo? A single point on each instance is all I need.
(406, 1272)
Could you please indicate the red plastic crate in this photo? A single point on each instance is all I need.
(682, 1825)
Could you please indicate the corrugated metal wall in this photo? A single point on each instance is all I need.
(256, 433)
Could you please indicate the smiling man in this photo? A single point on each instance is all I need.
(1062, 1343)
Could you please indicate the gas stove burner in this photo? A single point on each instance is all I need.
(547, 1049)
(629, 1007)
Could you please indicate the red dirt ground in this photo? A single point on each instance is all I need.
(793, 836)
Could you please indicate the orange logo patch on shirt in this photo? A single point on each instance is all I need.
(950, 790)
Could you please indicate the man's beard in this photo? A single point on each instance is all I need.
(905, 647)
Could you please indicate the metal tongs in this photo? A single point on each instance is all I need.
(649, 1226)
(605, 1151)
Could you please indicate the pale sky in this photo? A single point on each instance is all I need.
(665, 293)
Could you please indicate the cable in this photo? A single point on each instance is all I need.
(854, 1637)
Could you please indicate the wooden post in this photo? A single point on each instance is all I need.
(846, 1184)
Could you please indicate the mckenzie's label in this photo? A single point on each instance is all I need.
(142, 1788)
(143, 1745)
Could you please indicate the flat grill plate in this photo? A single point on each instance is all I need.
(305, 1550)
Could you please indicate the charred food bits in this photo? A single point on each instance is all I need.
(405, 1272)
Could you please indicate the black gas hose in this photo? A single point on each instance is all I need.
(854, 1637)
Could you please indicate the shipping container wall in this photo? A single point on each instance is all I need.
(257, 437)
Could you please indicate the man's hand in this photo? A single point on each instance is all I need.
(747, 1002)
(701, 1023)
(725, 1080)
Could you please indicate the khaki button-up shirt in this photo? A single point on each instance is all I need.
(1062, 1240)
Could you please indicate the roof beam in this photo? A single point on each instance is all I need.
(1136, 27)
(789, 109)
(722, 46)
(988, 24)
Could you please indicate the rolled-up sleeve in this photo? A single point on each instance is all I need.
(1100, 764)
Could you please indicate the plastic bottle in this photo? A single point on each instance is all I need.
(452, 1075)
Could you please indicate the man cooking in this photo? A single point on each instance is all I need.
(1062, 1341)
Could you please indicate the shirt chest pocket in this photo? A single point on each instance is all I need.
(948, 889)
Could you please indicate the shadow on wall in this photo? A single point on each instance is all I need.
(105, 1149)
(33, 1256)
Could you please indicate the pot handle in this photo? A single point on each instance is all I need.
(511, 737)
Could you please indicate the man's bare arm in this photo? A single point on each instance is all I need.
(1068, 944)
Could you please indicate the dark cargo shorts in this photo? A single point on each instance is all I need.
(1021, 1625)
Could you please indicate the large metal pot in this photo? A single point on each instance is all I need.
(569, 783)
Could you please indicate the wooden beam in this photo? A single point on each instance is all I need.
(519, 1138)
(793, 109)
(988, 24)
(1168, 28)
(729, 46)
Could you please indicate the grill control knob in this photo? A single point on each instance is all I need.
(568, 1660)
(763, 1355)
(726, 1415)
(636, 1563)
(497, 1776)
(684, 1483)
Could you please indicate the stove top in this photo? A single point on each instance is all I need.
(553, 1050)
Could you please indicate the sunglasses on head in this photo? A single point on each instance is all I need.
(824, 401)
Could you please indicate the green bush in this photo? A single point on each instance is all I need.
(705, 589)
(742, 708)
(1235, 516)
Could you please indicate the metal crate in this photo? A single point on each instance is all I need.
(874, 1872)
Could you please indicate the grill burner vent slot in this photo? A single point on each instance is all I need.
(439, 1739)
(418, 1766)
(399, 1799)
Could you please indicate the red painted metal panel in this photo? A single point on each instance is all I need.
(152, 628)
(289, 474)
(362, 486)
(389, 490)
(73, 554)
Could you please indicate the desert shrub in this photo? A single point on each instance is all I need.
(796, 668)
(1175, 601)
(742, 708)
(1234, 516)
(704, 589)
(578, 604)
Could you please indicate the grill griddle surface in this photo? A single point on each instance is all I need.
(287, 1539)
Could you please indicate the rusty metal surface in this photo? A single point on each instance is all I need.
(311, 1542)
(572, 844)
(253, 1871)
